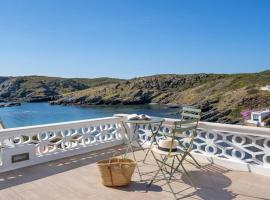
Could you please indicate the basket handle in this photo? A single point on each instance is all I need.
(110, 170)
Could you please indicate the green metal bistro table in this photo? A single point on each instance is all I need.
(131, 136)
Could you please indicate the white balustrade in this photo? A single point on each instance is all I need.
(53, 141)
(233, 146)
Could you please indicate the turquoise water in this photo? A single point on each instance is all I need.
(42, 113)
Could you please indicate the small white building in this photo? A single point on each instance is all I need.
(258, 117)
(266, 88)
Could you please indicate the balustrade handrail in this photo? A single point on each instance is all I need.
(28, 130)
(232, 128)
(236, 129)
(210, 126)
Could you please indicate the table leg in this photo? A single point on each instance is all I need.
(154, 134)
(130, 139)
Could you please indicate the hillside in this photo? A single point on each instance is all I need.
(41, 88)
(221, 96)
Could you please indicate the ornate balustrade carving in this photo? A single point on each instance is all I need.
(243, 144)
(59, 139)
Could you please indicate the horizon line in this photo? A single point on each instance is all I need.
(147, 75)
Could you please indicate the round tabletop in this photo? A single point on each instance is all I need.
(153, 120)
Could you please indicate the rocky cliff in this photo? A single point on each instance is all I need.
(40, 88)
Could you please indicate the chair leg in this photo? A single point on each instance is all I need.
(168, 181)
(169, 166)
(174, 169)
(196, 162)
(159, 169)
(172, 165)
(165, 165)
(188, 175)
(182, 166)
(184, 169)
(148, 151)
(179, 162)
(161, 164)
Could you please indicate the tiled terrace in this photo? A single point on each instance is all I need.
(78, 178)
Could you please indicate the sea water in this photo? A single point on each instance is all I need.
(43, 113)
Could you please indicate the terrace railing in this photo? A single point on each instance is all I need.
(233, 146)
(26, 146)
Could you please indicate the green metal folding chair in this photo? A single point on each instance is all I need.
(172, 147)
(189, 116)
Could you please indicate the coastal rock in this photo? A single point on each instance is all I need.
(9, 104)
(210, 115)
(9, 87)
(138, 97)
(94, 100)
(36, 99)
(216, 116)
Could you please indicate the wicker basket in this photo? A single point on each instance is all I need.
(116, 171)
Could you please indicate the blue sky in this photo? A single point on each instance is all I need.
(128, 38)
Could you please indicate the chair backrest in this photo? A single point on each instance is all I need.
(189, 121)
(190, 113)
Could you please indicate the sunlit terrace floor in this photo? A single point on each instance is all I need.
(78, 178)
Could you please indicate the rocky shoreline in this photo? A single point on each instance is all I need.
(209, 112)
(9, 104)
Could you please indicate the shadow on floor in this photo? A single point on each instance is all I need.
(210, 183)
(32, 173)
(140, 187)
